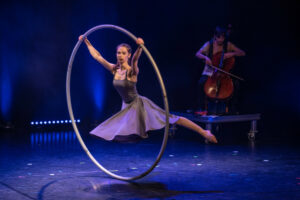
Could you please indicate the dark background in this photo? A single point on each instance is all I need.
(37, 38)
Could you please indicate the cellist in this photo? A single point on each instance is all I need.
(216, 45)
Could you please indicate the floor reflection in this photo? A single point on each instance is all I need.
(52, 139)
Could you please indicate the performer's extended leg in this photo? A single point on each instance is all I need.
(191, 125)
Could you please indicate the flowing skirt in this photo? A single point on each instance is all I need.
(137, 117)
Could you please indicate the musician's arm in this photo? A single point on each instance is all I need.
(203, 51)
(234, 51)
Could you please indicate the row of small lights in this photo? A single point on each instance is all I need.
(53, 122)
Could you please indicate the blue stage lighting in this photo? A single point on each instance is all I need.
(53, 122)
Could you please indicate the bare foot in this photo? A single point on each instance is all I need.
(210, 137)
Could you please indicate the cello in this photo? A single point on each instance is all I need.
(219, 86)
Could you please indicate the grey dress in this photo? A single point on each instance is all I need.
(137, 116)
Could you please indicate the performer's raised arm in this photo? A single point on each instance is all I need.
(97, 56)
(136, 56)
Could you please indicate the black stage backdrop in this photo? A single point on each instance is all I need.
(37, 38)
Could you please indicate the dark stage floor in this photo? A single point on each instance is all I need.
(51, 165)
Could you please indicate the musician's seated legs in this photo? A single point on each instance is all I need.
(201, 97)
(216, 107)
(234, 100)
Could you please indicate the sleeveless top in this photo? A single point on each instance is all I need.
(126, 89)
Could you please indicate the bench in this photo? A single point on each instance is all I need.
(213, 119)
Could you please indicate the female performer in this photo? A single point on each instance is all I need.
(138, 114)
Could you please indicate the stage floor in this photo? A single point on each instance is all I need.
(52, 165)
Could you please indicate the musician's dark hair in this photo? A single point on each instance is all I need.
(219, 31)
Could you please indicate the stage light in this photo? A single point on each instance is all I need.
(49, 122)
